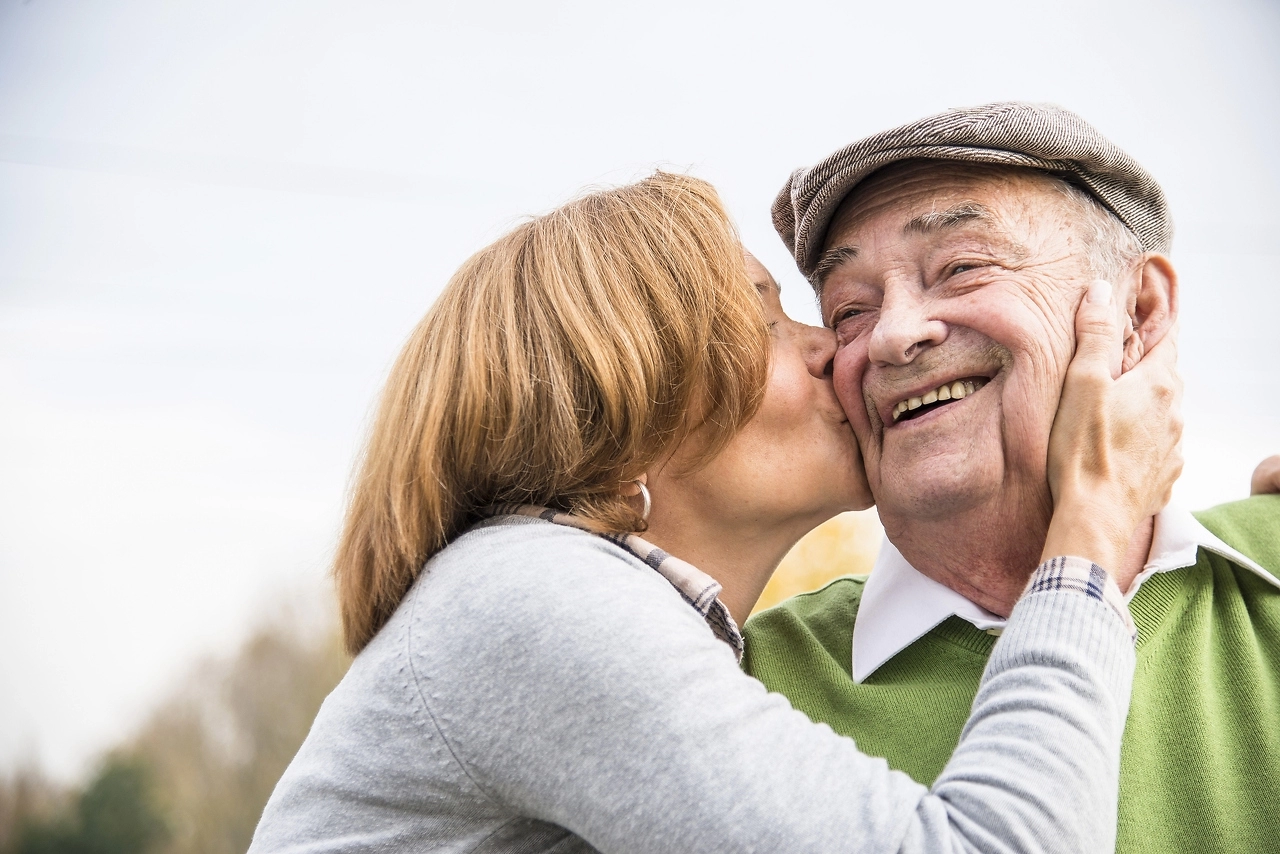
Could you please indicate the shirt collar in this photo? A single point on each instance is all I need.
(900, 604)
(700, 590)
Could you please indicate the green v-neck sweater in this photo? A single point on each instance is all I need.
(1200, 766)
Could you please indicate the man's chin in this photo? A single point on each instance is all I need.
(930, 495)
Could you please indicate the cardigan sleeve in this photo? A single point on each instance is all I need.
(573, 685)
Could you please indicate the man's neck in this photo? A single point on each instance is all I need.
(992, 571)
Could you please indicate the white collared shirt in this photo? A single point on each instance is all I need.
(900, 604)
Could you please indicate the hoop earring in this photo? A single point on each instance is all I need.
(648, 499)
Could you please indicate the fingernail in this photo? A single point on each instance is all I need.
(1099, 291)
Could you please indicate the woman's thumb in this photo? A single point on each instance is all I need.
(1098, 336)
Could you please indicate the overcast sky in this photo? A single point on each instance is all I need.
(218, 221)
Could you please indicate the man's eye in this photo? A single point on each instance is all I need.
(846, 314)
(967, 267)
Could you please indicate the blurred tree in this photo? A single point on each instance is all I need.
(27, 798)
(196, 777)
(219, 745)
(115, 814)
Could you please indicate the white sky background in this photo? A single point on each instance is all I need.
(218, 221)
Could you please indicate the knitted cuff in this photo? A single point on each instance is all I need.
(1082, 576)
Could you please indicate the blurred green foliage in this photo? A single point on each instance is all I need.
(196, 777)
(115, 814)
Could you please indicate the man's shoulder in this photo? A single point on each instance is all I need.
(818, 624)
(836, 601)
(1251, 527)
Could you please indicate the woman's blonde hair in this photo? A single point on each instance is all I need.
(559, 362)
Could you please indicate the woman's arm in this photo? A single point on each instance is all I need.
(581, 690)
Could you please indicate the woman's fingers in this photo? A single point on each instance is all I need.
(1154, 388)
(1098, 336)
(1114, 447)
(1079, 442)
(1160, 364)
(1266, 477)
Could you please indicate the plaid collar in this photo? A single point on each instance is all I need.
(697, 588)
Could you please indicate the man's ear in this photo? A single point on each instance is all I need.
(1152, 307)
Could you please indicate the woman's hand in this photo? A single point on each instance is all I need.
(1114, 450)
(1266, 477)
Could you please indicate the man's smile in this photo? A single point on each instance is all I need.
(947, 392)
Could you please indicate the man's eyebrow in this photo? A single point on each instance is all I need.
(968, 213)
(828, 261)
(928, 223)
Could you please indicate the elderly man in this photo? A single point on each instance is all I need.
(949, 256)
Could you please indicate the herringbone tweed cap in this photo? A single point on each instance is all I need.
(1039, 136)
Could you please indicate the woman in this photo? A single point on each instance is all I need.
(523, 684)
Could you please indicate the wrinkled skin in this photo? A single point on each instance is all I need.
(986, 293)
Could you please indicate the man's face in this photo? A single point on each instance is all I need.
(953, 291)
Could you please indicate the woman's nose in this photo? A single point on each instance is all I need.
(819, 350)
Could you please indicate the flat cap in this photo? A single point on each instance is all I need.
(1013, 133)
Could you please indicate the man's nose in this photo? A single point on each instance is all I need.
(904, 329)
(819, 351)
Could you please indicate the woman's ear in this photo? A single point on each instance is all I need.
(1152, 307)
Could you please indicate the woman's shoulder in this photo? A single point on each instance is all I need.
(509, 574)
(525, 552)
(513, 605)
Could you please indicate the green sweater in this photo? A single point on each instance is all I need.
(1200, 767)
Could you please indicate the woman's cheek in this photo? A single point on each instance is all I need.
(790, 393)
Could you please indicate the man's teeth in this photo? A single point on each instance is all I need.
(947, 391)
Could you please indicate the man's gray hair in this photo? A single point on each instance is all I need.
(1112, 247)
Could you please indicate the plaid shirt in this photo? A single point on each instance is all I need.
(1083, 576)
(697, 588)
